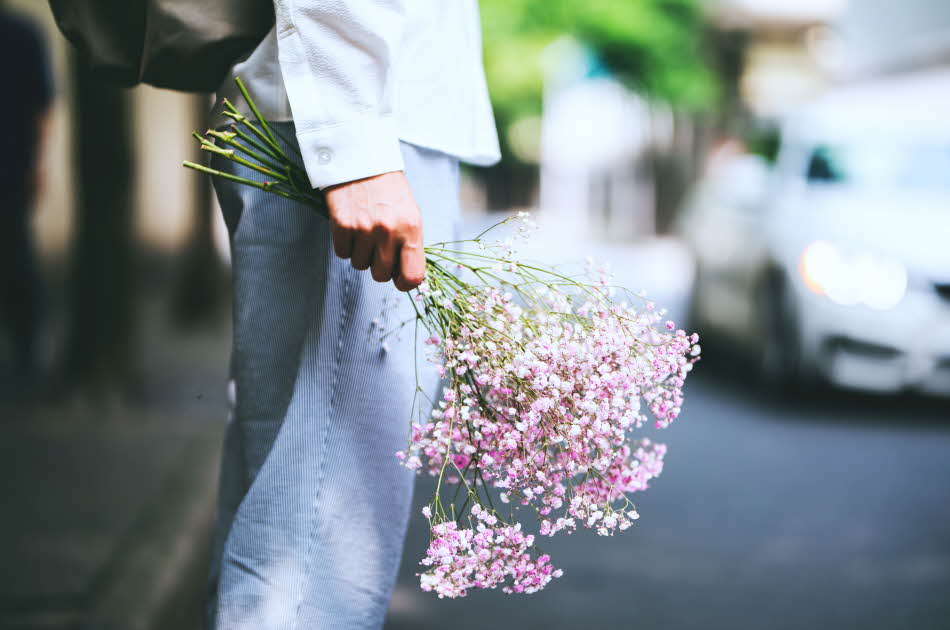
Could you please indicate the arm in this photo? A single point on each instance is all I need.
(336, 59)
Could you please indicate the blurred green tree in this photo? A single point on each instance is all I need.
(653, 46)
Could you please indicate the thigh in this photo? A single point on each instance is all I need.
(278, 255)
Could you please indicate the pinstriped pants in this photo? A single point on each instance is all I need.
(313, 505)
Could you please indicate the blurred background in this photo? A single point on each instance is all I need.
(775, 172)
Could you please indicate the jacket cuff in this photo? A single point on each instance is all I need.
(351, 150)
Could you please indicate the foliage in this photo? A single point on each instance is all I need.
(652, 45)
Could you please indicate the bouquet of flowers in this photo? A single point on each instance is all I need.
(546, 374)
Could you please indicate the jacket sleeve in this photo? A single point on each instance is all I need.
(336, 58)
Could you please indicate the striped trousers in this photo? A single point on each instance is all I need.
(313, 505)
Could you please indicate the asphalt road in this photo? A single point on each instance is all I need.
(826, 511)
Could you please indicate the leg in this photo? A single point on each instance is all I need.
(277, 273)
(317, 539)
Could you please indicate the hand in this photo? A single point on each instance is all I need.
(376, 223)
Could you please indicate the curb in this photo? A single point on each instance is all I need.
(159, 573)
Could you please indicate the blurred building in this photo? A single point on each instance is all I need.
(787, 51)
(791, 51)
(594, 139)
(884, 37)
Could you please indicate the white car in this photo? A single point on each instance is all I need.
(836, 263)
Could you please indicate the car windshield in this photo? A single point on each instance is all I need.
(921, 166)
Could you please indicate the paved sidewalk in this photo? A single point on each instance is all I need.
(105, 522)
(106, 510)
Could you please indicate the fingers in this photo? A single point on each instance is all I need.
(362, 254)
(376, 223)
(412, 266)
(384, 258)
(343, 204)
(404, 264)
(342, 240)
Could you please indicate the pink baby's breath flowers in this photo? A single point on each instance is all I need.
(547, 379)
(483, 557)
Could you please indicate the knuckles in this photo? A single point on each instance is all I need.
(404, 228)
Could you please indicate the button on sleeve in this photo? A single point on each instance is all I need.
(352, 150)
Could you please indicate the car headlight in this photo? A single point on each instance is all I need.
(877, 282)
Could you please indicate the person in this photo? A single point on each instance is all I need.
(381, 99)
(25, 107)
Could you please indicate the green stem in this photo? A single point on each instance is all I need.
(265, 186)
(255, 143)
(229, 154)
(228, 139)
(257, 113)
(241, 119)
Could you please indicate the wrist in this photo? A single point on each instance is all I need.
(362, 180)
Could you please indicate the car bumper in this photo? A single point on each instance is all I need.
(904, 348)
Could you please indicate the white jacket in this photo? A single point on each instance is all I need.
(357, 76)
